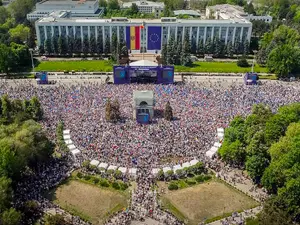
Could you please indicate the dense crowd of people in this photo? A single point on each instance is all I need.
(198, 109)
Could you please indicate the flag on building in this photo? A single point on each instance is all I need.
(133, 39)
(154, 38)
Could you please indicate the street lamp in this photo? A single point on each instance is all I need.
(32, 63)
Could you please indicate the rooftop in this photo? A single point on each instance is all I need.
(143, 94)
(227, 11)
(63, 2)
(144, 3)
(186, 12)
(140, 21)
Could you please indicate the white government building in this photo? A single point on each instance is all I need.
(71, 8)
(147, 7)
(198, 30)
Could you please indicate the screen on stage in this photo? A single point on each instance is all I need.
(42, 77)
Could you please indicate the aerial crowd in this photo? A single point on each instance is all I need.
(198, 109)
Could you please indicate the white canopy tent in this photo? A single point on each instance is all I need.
(143, 63)
(217, 144)
(186, 164)
(122, 169)
(220, 130)
(176, 167)
(94, 162)
(67, 137)
(213, 149)
(210, 154)
(155, 171)
(132, 171)
(112, 167)
(103, 165)
(71, 147)
(166, 169)
(75, 152)
(66, 132)
(220, 135)
(194, 162)
(68, 142)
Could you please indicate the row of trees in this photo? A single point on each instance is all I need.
(23, 145)
(69, 46)
(267, 145)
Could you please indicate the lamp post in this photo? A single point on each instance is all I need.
(32, 63)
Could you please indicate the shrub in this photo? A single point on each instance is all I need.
(123, 186)
(190, 182)
(173, 186)
(116, 185)
(199, 178)
(93, 168)
(104, 183)
(242, 62)
(110, 172)
(87, 177)
(86, 164)
(96, 180)
(79, 175)
(207, 177)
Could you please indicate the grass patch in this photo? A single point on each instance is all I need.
(219, 67)
(252, 221)
(166, 204)
(106, 66)
(208, 201)
(91, 203)
(77, 66)
(267, 77)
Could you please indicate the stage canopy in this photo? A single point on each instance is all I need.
(143, 63)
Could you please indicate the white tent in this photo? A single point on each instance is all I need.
(220, 135)
(66, 132)
(220, 130)
(132, 171)
(176, 167)
(94, 162)
(186, 164)
(210, 154)
(122, 169)
(166, 169)
(103, 165)
(75, 152)
(213, 149)
(155, 171)
(143, 63)
(68, 142)
(67, 137)
(217, 144)
(71, 147)
(194, 162)
(112, 167)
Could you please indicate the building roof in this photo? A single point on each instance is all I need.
(140, 21)
(227, 11)
(186, 12)
(144, 3)
(143, 63)
(143, 94)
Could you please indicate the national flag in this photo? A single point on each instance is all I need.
(154, 38)
(133, 39)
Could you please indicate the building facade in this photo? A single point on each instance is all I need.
(142, 34)
(147, 7)
(76, 8)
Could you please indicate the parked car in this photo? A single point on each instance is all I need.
(44, 58)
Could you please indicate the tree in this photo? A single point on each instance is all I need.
(164, 54)
(107, 46)
(5, 193)
(6, 58)
(20, 8)
(242, 62)
(6, 109)
(77, 46)
(55, 45)
(36, 109)
(261, 57)
(134, 9)
(70, 45)
(208, 47)
(85, 46)
(249, 8)
(124, 50)
(232, 153)
(168, 114)
(62, 45)
(93, 45)
(4, 14)
(48, 47)
(108, 110)
(41, 50)
(113, 5)
(114, 47)
(99, 46)
(115, 111)
(186, 49)
(245, 48)
(19, 34)
(229, 50)
(171, 51)
(11, 217)
(283, 60)
(200, 49)
(255, 166)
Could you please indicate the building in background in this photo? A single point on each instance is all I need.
(147, 7)
(191, 13)
(226, 11)
(75, 8)
(144, 35)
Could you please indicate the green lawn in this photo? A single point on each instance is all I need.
(85, 65)
(106, 66)
(219, 67)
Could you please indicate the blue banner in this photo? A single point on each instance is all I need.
(154, 38)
